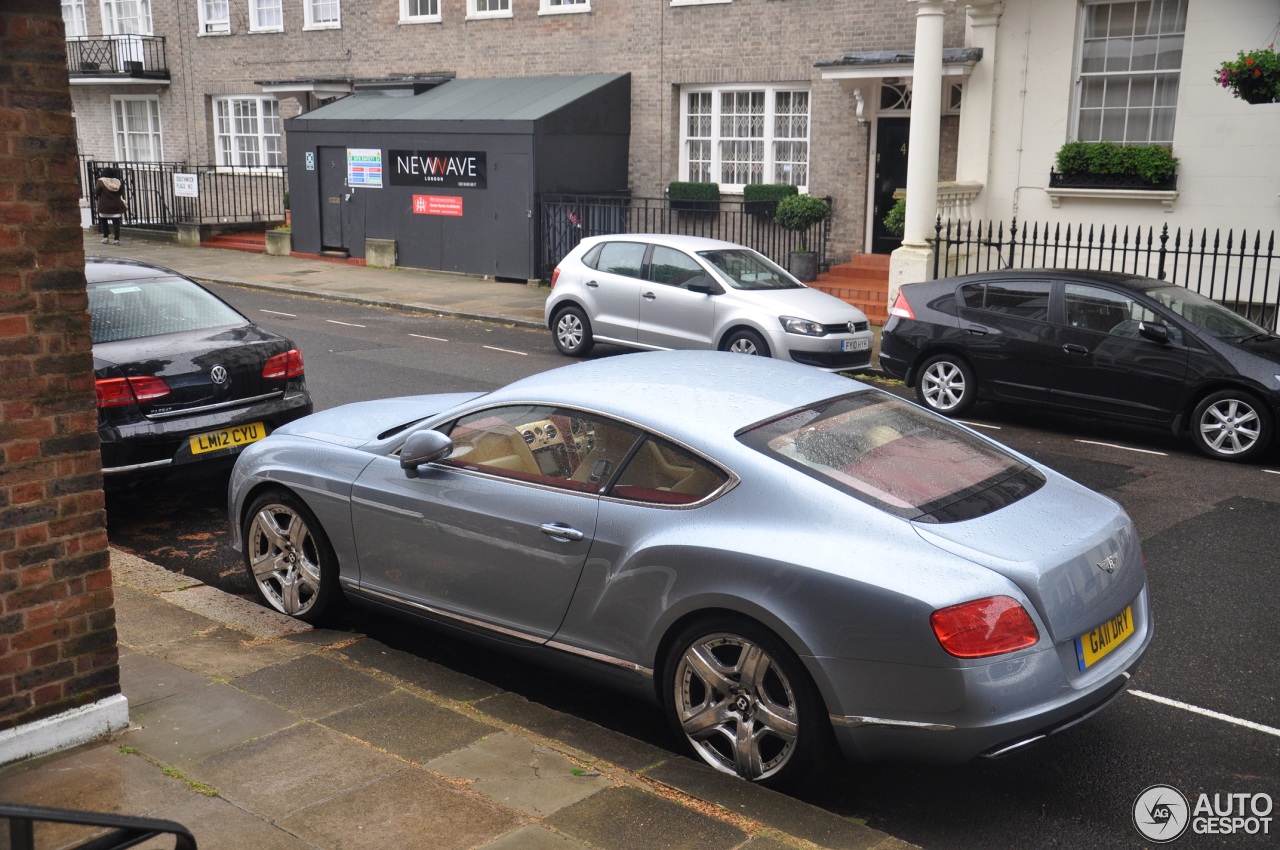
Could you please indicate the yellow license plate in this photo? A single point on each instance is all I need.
(1093, 645)
(227, 438)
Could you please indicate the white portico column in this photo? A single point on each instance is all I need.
(974, 149)
(914, 260)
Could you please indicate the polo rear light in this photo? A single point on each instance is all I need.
(287, 365)
(119, 392)
(983, 627)
(555, 275)
(901, 308)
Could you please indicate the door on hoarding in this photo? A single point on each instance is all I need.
(334, 194)
(513, 214)
(890, 176)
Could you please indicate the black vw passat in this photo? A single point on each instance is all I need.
(1095, 343)
(184, 381)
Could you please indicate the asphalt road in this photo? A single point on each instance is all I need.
(1209, 535)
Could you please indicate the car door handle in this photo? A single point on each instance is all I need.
(1072, 348)
(649, 296)
(592, 284)
(562, 532)
(976, 331)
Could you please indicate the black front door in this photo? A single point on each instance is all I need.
(890, 176)
(333, 195)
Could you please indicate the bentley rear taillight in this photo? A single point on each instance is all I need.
(901, 308)
(119, 392)
(983, 627)
(287, 365)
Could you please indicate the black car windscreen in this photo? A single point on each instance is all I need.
(134, 309)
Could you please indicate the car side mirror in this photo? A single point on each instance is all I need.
(423, 447)
(1154, 331)
(702, 284)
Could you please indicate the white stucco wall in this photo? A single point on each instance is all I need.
(1229, 150)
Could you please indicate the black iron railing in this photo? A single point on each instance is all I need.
(564, 220)
(135, 56)
(223, 195)
(1238, 269)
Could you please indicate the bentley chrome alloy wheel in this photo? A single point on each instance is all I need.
(287, 558)
(736, 705)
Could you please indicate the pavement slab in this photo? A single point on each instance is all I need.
(427, 675)
(143, 620)
(634, 819)
(779, 811)
(144, 679)
(227, 653)
(534, 838)
(407, 809)
(408, 726)
(577, 733)
(313, 686)
(192, 725)
(521, 774)
(219, 824)
(282, 773)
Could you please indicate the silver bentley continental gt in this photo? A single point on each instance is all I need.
(780, 557)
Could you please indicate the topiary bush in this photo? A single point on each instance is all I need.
(895, 221)
(799, 213)
(767, 191)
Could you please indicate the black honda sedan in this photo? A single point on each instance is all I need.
(1094, 343)
(184, 381)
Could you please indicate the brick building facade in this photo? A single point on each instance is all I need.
(668, 46)
(58, 657)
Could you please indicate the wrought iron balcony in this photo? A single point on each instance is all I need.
(116, 58)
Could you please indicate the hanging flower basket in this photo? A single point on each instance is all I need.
(1254, 77)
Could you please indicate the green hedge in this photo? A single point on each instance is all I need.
(895, 221)
(767, 191)
(681, 191)
(1151, 163)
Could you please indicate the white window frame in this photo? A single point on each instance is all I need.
(309, 15)
(563, 7)
(407, 17)
(698, 2)
(210, 24)
(122, 135)
(74, 20)
(475, 13)
(1170, 76)
(226, 153)
(111, 16)
(768, 140)
(255, 20)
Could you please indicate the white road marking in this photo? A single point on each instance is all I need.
(506, 350)
(434, 338)
(1272, 471)
(278, 313)
(1216, 715)
(978, 425)
(345, 324)
(1122, 448)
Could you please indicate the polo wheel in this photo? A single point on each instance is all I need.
(746, 342)
(571, 330)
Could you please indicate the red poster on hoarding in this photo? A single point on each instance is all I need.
(437, 205)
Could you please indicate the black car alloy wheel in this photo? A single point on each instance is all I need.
(946, 385)
(1231, 425)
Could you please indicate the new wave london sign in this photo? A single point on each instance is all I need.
(439, 169)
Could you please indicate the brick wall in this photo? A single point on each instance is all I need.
(57, 623)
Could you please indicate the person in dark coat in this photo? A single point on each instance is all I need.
(108, 194)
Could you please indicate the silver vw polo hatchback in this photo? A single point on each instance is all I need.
(655, 291)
